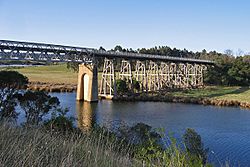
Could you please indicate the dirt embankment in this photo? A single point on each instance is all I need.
(203, 101)
(51, 87)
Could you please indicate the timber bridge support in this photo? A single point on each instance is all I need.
(151, 75)
(153, 72)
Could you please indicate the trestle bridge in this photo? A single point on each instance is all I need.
(152, 72)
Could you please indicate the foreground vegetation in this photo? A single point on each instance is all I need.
(22, 146)
(36, 147)
(47, 137)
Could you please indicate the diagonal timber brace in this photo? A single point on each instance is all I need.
(108, 83)
(140, 74)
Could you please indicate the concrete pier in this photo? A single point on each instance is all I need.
(87, 87)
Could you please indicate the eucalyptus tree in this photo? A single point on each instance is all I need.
(36, 105)
(10, 82)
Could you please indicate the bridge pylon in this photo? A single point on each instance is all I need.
(87, 87)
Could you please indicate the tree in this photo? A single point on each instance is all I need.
(118, 48)
(121, 86)
(102, 48)
(194, 145)
(229, 52)
(240, 72)
(73, 65)
(10, 81)
(239, 52)
(36, 105)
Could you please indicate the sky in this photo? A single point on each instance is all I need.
(191, 24)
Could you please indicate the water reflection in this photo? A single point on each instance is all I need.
(85, 115)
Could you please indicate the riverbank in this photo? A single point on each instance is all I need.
(179, 99)
(209, 95)
(230, 97)
(51, 87)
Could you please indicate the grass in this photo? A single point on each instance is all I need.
(235, 93)
(49, 74)
(35, 147)
(22, 146)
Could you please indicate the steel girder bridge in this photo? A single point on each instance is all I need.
(153, 72)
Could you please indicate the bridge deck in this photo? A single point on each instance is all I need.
(60, 53)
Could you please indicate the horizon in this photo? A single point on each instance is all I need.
(193, 25)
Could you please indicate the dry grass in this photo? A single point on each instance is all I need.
(34, 147)
(37, 148)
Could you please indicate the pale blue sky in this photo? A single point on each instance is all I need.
(191, 24)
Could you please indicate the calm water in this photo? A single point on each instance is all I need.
(224, 130)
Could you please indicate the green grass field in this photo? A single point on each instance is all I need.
(60, 74)
(49, 74)
(241, 94)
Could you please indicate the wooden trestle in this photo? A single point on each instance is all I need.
(152, 76)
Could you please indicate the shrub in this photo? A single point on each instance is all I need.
(121, 86)
(59, 122)
(194, 145)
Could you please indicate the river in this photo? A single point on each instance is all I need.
(224, 130)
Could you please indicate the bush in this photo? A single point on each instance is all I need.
(59, 122)
(194, 146)
(121, 86)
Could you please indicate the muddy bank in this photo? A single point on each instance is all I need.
(51, 87)
(173, 99)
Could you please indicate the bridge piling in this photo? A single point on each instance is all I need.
(87, 87)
